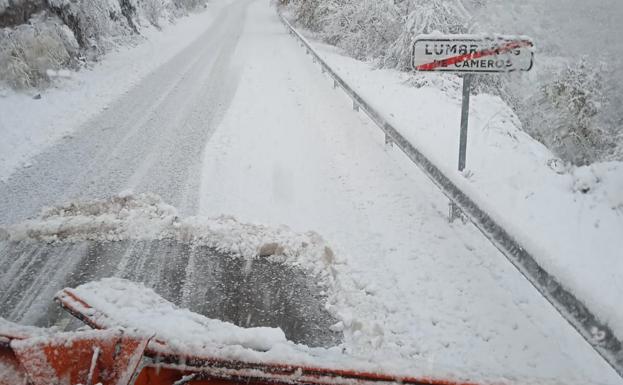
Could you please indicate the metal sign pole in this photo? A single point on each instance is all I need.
(467, 81)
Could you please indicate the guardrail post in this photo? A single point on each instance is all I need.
(389, 143)
(455, 213)
(322, 69)
(335, 84)
(355, 106)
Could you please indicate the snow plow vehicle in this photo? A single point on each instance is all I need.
(134, 336)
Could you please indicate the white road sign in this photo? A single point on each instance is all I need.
(472, 53)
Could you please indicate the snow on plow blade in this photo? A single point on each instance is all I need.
(142, 339)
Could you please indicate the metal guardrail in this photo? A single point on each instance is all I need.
(595, 332)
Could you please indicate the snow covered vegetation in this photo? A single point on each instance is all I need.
(570, 102)
(39, 38)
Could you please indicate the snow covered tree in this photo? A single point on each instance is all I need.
(306, 12)
(365, 29)
(30, 50)
(570, 103)
(424, 16)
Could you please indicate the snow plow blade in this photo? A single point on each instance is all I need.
(11, 372)
(107, 357)
(119, 352)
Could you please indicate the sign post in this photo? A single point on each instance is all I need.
(467, 84)
(467, 55)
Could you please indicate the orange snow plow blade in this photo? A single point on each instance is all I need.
(111, 355)
(168, 366)
(107, 357)
(11, 371)
(100, 356)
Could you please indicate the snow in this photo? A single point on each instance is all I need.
(569, 220)
(134, 306)
(29, 125)
(13, 330)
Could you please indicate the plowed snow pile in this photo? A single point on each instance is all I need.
(146, 217)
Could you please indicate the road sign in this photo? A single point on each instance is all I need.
(469, 54)
(472, 53)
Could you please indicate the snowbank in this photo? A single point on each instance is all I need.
(13, 330)
(146, 217)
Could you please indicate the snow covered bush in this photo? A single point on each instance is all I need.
(565, 116)
(153, 10)
(96, 23)
(157, 10)
(15, 12)
(30, 50)
(365, 29)
(189, 5)
(571, 101)
(308, 13)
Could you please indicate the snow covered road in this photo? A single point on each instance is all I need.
(242, 123)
